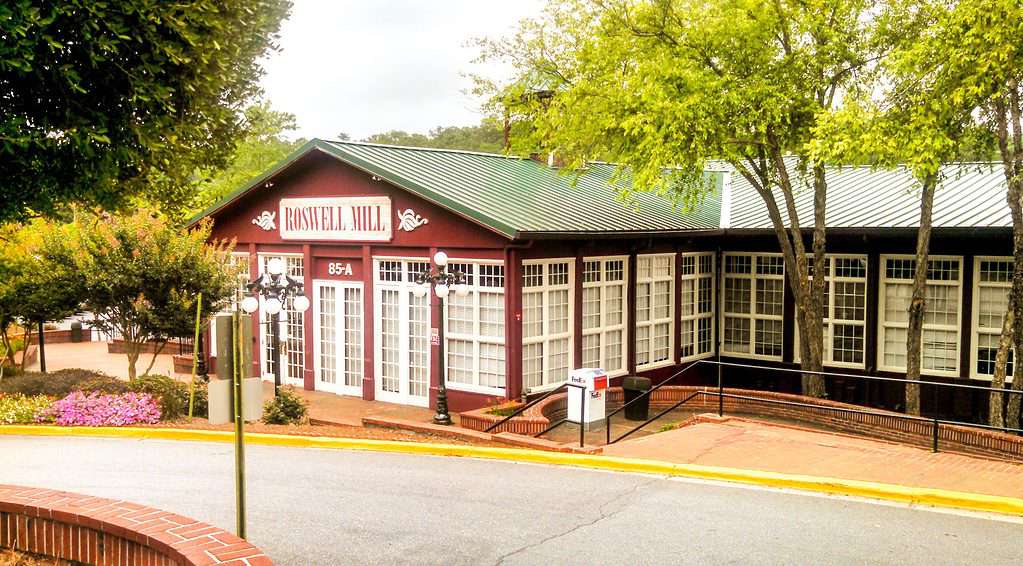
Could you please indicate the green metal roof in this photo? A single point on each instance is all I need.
(515, 197)
(970, 196)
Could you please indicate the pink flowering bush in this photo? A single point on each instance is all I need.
(97, 409)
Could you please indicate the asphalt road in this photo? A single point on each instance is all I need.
(320, 507)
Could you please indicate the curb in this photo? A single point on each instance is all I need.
(835, 486)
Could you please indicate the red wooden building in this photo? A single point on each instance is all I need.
(563, 274)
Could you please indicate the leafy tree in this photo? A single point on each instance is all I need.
(264, 144)
(665, 85)
(140, 276)
(33, 290)
(486, 137)
(102, 101)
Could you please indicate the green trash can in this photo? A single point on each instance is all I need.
(634, 386)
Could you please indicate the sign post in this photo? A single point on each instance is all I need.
(237, 374)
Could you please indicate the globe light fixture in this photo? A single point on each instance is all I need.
(275, 288)
(443, 281)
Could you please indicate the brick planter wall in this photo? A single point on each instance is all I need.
(117, 346)
(877, 423)
(105, 532)
(64, 336)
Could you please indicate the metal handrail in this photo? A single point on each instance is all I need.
(607, 423)
(523, 408)
(652, 389)
(553, 426)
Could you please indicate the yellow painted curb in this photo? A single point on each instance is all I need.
(904, 494)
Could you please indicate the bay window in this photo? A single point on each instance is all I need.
(474, 329)
(752, 317)
(604, 287)
(546, 322)
(655, 308)
(940, 341)
(696, 290)
(992, 280)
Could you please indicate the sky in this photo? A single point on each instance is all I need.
(367, 66)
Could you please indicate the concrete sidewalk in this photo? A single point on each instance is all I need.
(740, 443)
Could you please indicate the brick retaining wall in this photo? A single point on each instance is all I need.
(105, 532)
(117, 346)
(876, 423)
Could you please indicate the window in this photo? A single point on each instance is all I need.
(604, 281)
(337, 332)
(546, 322)
(655, 310)
(293, 352)
(940, 341)
(240, 261)
(992, 280)
(402, 345)
(754, 291)
(474, 329)
(696, 288)
(845, 315)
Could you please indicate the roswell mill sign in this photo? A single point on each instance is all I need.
(336, 218)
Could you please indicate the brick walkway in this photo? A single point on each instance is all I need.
(94, 356)
(738, 443)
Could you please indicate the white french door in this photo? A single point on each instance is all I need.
(338, 336)
(292, 328)
(402, 361)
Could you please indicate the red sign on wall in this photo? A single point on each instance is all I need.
(344, 269)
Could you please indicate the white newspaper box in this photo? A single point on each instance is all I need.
(587, 393)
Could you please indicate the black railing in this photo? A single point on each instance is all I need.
(934, 421)
(523, 408)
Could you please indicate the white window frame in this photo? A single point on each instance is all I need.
(654, 322)
(264, 339)
(405, 294)
(546, 336)
(229, 306)
(341, 331)
(476, 338)
(753, 316)
(883, 324)
(829, 317)
(605, 328)
(696, 316)
(975, 330)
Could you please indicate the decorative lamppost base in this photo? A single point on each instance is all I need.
(442, 419)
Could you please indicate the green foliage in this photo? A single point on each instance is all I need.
(172, 395)
(104, 384)
(286, 408)
(107, 100)
(487, 137)
(262, 147)
(140, 275)
(19, 409)
(55, 384)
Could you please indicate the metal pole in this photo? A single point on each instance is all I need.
(607, 429)
(275, 349)
(934, 446)
(239, 424)
(721, 396)
(42, 349)
(442, 417)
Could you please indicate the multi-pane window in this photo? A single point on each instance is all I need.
(604, 287)
(338, 335)
(546, 322)
(696, 289)
(474, 329)
(845, 311)
(754, 290)
(403, 328)
(293, 353)
(940, 340)
(992, 280)
(655, 310)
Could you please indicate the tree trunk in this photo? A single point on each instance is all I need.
(156, 353)
(914, 333)
(995, 415)
(28, 343)
(133, 351)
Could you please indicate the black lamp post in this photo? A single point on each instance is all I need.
(443, 282)
(275, 288)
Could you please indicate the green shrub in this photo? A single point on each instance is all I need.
(55, 384)
(19, 409)
(104, 384)
(173, 396)
(286, 408)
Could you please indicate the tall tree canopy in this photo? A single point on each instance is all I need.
(665, 85)
(101, 101)
(488, 137)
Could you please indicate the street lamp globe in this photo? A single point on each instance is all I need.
(461, 290)
(250, 304)
(301, 303)
(275, 266)
(440, 259)
(442, 290)
(420, 290)
(272, 306)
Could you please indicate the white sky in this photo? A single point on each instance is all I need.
(369, 66)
